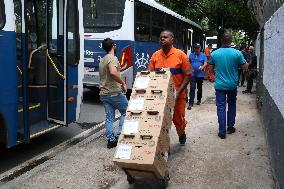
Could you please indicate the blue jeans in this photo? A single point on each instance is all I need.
(111, 103)
(195, 81)
(221, 97)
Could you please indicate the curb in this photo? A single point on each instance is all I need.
(40, 159)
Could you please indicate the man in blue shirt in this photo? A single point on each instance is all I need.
(226, 60)
(198, 61)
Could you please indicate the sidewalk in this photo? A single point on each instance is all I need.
(240, 161)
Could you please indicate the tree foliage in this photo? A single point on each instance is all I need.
(214, 14)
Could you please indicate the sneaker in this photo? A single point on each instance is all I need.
(199, 102)
(111, 144)
(231, 130)
(182, 139)
(221, 135)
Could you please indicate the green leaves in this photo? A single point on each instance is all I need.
(215, 15)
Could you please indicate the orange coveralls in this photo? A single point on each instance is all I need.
(179, 66)
(207, 69)
(208, 74)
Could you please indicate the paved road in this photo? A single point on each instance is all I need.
(92, 112)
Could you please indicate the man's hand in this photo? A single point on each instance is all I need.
(124, 88)
(201, 67)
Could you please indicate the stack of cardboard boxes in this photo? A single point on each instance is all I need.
(144, 144)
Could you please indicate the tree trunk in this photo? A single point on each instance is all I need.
(256, 7)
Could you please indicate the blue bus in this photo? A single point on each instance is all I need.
(41, 67)
(135, 26)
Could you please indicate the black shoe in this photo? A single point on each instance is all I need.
(231, 130)
(199, 102)
(182, 139)
(111, 144)
(246, 92)
(221, 135)
(190, 106)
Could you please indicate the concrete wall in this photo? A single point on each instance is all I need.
(270, 89)
(273, 76)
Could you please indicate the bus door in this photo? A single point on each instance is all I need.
(52, 48)
(189, 37)
(63, 56)
(56, 66)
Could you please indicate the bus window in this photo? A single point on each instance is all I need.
(142, 27)
(73, 34)
(2, 14)
(36, 10)
(103, 16)
(171, 23)
(158, 24)
(179, 34)
(18, 21)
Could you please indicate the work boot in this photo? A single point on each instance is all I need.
(231, 130)
(222, 135)
(198, 102)
(111, 144)
(182, 139)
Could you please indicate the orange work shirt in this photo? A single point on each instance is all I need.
(207, 52)
(176, 60)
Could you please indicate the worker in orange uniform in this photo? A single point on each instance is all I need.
(180, 68)
(208, 74)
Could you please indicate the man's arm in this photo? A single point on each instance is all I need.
(212, 65)
(187, 70)
(115, 75)
(184, 84)
(205, 62)
(212, 70)
(243, 62)
(245, 67)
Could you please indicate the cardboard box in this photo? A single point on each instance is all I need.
(148, 104)
(153, 81)
(149, 124)
(137, 156)
(154, 86)
(144, 143)
(144, 127)
(163, 141)
(163, 97)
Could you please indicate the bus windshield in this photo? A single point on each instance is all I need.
(102, 15)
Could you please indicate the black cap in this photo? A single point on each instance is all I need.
(197, 45)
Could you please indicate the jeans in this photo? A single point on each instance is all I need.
(111, 103)
(221, 97)
(193, 82)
